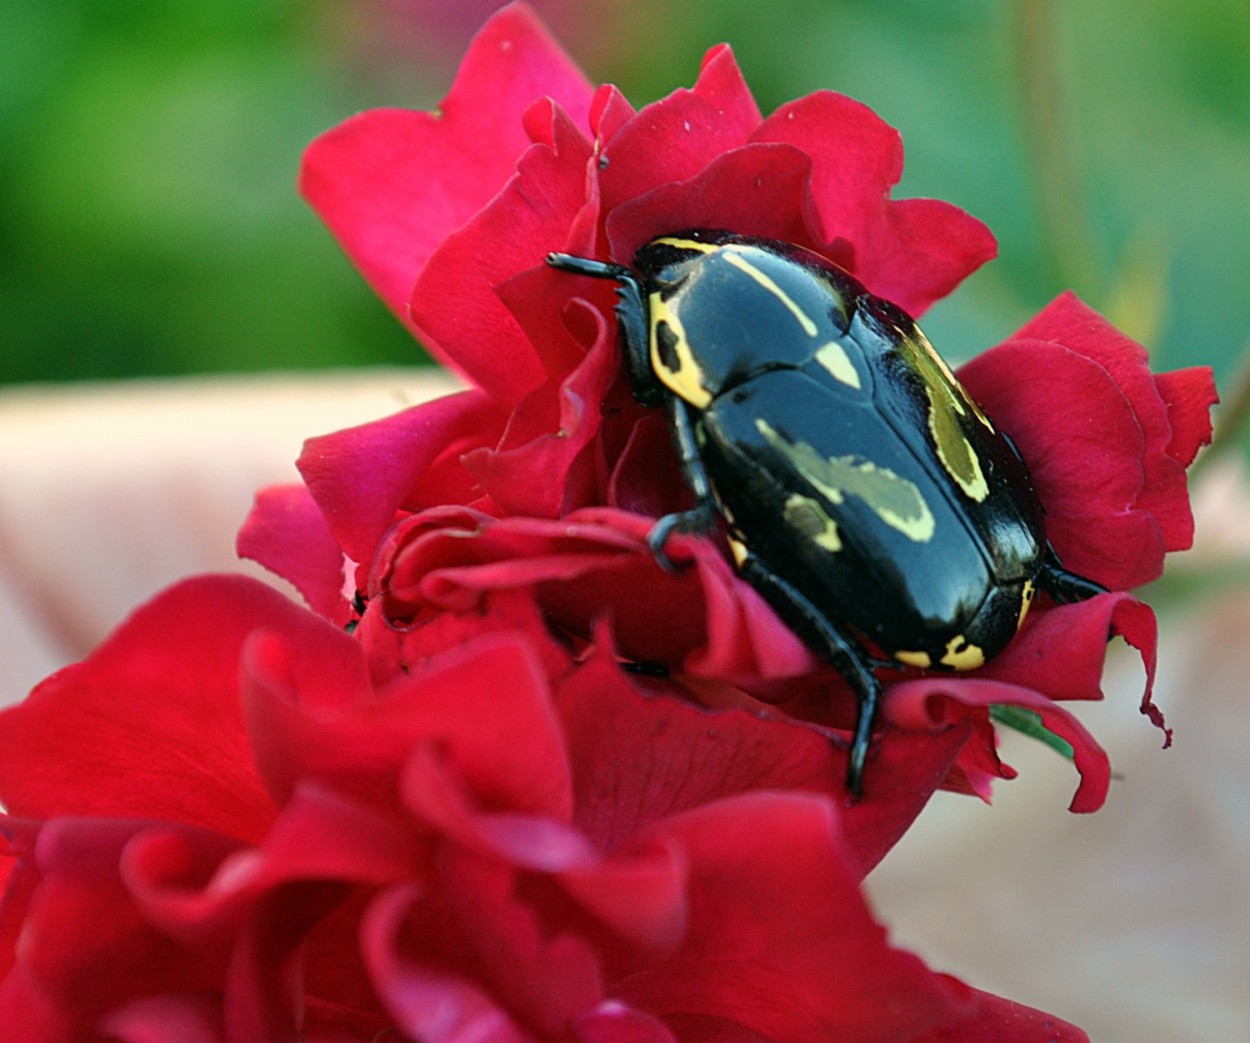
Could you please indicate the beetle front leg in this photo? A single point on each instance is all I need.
(836, 646)
(702, 516)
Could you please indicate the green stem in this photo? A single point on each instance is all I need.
(1064, 230)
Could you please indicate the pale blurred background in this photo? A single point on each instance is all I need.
(150, 234)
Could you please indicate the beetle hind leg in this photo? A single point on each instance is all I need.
(1064, 586)
(836, 646)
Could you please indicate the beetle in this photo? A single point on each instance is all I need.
(864, 493)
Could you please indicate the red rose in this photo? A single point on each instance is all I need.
(551, 427)
(220, 829)
(532, 787)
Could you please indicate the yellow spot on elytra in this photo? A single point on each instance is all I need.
(962, 656)
(920, 660)
(948, 402)
(686, 244)
(809, 518)
(835, 359)
(894, 499)
(955, 452)
(685, 380)
(1026, 601)
(738, 549)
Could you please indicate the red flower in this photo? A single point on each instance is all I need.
(239, 836)
(551, 429)
(479, 808)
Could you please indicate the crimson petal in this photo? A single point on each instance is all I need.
(393, 183)
(919, 703)
(818, 966)
(676, 137)
(454, 302)
(910, 251)
(997, 1020)
(359, 496)
(149, 725)
(287, 534)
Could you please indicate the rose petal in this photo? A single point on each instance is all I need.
(684, 756)
(676, 137)
(817, 966)
(554, 436)
(426, 1001)
(1060, 652)
(454, 303)
(616, 1022)
(325, 722)
(1189, 394)
(392, 184)
(287, 534)
(911, 251)
(166, 1019)
(913, 703)
(759, 189)
(997, 1020)
(149, 725)
(1110, 531)
(1084, 447)
(361, 476)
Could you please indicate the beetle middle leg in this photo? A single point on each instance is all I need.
(700, 518)
(837, 647)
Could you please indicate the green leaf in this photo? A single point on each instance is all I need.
(1029, 722)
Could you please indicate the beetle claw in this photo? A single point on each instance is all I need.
(698, 520)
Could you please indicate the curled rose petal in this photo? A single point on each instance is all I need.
(911, 704)
(910, 251)
(422, 447)
(287, 533)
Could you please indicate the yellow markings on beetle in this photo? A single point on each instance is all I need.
(734, 256)
(685, 379)
(1026, 601)
(809, 518)
(948, 402)
(962, 656)
(955, 452)
(686, 244)
(831, 355)
(894, 499)
(920, 660)
(834, 358)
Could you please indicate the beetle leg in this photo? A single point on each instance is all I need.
(1064, 586)
(702, 516)
(837, 647)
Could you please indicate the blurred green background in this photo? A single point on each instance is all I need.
(149, 223)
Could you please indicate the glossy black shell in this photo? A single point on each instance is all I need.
(841, 450)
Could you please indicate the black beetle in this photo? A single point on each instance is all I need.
(866, 495)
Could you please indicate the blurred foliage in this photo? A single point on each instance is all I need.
(149, 222)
